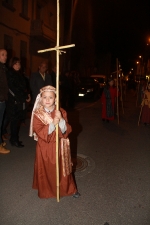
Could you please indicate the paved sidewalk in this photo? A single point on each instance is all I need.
(113, 174)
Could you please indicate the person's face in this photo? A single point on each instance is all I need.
(43, 68)
(111, 83)
(3, 56)
(48, 99)
(17, 66)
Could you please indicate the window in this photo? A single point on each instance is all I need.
(38, 12)
(51, 20)
(23, 54)
(25, 7)
(24, 10)
(8, 45)
(8, 4)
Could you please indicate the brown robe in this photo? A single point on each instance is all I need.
(44, 179)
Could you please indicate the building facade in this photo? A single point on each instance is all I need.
(28, 26)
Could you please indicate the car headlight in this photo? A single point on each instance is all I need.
(81, 94)
(90, 90)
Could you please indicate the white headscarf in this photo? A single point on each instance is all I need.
(37, 105)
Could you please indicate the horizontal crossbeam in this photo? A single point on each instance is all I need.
(56, 48)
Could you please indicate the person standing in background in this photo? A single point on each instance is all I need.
(17, 98)
(39, 79)
(53, 76)
(3, 96)
(108, 100)
(145, 116)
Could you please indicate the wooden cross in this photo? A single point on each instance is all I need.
(58, 52)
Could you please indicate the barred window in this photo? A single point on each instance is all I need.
(23, 53)
(10, 2)
(25, 7)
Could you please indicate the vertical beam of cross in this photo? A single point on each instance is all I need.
(57, 48)
(117, 90)
(57, 106)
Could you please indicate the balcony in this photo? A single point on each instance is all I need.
(42, 31)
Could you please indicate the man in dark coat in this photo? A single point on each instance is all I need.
(53, 76)
(39, 79)
(3, 95)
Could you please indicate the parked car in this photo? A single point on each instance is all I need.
(101, 79)
(89, 88)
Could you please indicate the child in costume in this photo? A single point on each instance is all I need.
(108, 101)
(145, 116)
(43, 121)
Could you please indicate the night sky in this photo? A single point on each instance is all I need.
(121, 27)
